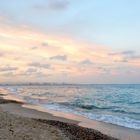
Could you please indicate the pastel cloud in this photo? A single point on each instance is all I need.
(126, 56)
(86, 62)
(53, 5)
(40, 65)
(58, 4)
(35, 53)
(59, 57)
(31, 70)
(8, 68)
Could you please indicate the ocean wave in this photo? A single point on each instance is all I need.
(135, 103)
(125, 112)
(116, 120)
(86, 106)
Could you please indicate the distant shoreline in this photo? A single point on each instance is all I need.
(59, 84)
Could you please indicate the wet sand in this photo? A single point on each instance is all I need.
(18, 123)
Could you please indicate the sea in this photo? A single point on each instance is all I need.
(117, 104)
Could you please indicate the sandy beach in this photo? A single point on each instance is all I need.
(18, 123)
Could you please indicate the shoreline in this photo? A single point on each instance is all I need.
(112, 130)
(17, 120)
(61, 120)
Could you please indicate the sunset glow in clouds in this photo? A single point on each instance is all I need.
(72, 41)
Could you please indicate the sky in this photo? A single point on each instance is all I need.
(72, 41)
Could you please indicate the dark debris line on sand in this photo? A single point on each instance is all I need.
(75, 132)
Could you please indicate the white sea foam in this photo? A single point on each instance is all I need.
(117, 120)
